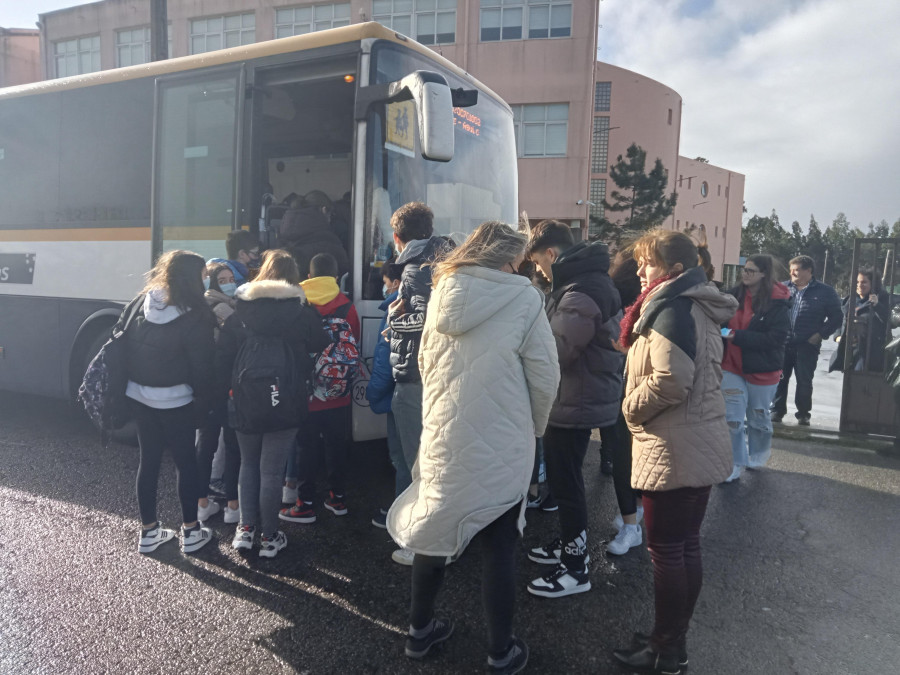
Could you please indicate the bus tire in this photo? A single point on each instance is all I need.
(128, 433)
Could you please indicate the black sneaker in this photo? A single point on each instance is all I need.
(547, 554)
(417, 648)
(545, 503)
(645, 660)
(379, 520)
(776, 418)
(803, 420)
(513, 661)
(560, 582)
(606, 467)
(639, 640)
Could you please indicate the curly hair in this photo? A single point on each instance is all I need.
(180, 275)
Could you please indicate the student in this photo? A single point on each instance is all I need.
(243, 254)
(380, 389)
(271, 306)
(413, 226)
(489, 375)
(326, 431)
(584, 311)
(169, 350)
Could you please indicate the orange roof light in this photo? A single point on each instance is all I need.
(349, 78)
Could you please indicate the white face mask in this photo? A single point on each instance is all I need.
(206, 283)
(228, 289)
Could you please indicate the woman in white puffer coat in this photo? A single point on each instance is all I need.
(490, 375)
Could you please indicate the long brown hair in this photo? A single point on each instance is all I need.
(493, 244)
(766, 266)
(278, 265)
(179, 274)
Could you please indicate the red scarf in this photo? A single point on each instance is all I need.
(634, 311)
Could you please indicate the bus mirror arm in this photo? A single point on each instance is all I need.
(434, 109)
(464, 98)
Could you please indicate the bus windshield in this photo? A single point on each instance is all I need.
(478, 184)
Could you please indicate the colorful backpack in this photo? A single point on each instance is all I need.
(336, 366)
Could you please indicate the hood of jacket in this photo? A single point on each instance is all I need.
(582, 258)
(320, 290)
(269, 307)
(156, 307)
(420, 251)
(304, 223)
(471, 295)
(718, 306)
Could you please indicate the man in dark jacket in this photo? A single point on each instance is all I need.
(584, 310)
(413, 225)
(815, 315)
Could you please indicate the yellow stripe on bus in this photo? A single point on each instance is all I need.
(78, 234)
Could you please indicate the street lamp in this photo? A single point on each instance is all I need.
(582, 202)
(698, 204)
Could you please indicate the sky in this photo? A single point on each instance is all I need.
(800, 96)
(797, 95)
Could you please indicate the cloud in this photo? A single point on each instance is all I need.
(800, 96)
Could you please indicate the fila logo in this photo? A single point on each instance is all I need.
(274, 395)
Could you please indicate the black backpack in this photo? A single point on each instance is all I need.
(267, 393)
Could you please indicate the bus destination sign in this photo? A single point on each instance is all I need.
(17, 268)
(466, 121)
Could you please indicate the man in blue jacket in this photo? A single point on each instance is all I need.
(381, 389)
(815, 315)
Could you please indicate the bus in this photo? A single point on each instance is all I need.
(101, 173)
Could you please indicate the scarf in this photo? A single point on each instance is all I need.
(634, 311)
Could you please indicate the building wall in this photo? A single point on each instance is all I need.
(20, 56)
(718, 213)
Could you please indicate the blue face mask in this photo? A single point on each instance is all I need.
(206, 283)
(228, 289)
(385, 291)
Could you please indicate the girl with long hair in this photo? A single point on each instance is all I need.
(754, 354)
(170, 383)
(674, 408)
(271, 305)
(489, 374)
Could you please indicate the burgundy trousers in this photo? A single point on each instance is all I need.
(673, 520)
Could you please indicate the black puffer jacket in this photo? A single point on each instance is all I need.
(762, 343)
(415, 291)
(274, 308)
(306, 232)
(584, 310)
(819, 312)
(176, 351)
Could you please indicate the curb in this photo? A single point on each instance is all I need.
(880, 444)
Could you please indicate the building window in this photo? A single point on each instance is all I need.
(133, 46)
(541, 130)
(222, 32)
(431, 22)
(717, 231)
(677, 224)
(719, 191)
(600, 145)
(515, 19)
(598, 194)
(670, 117)
(75, 57)
(302, 20)
(704, 189)
(602, 96)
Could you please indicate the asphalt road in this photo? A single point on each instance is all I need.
(801, 573)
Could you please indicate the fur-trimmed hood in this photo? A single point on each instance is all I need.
(269, 307)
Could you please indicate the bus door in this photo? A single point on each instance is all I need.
(196, 161)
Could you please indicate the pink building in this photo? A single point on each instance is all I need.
(20, 56)
(574, 115)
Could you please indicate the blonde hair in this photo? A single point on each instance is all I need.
(493, 244)
(666, 248)
(278, 265)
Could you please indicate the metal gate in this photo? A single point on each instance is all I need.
(867, 401)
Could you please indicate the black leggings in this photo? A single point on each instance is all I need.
(207, 444)
(157, 430)
(618, 439)
(498, 584)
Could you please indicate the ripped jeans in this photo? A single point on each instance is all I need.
(747, 408)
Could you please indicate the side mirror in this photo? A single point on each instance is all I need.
(434, 109)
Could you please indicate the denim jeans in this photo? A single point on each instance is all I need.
(747, 408)
(406, 406)
(263, 457)
(402, 475)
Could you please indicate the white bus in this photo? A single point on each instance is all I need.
(100, 173)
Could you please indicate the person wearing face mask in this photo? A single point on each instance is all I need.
(380, 390)
(220, 289)
(869, 310)
(243, 255)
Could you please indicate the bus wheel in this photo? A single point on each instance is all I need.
(128, 433)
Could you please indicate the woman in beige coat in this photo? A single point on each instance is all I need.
(489, 374)
(676, 413)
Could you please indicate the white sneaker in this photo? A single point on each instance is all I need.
(268, 548)
(735, 474)
(154, 538)
(204, 513)
(243, 538)
(231, 516)
(289, 495)
(628, 537)
(403, 556)
(618, 522)
(194, 539)
(560, 582)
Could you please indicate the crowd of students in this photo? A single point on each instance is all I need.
(474, 363)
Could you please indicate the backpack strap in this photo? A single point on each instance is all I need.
(137, 307)
(341, 312)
